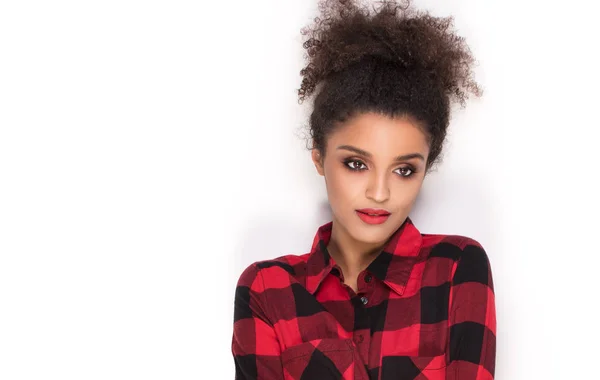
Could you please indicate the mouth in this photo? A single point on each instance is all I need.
(374, 211)
(373, 216)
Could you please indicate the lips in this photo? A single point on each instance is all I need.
(373, 216)
(373, 212)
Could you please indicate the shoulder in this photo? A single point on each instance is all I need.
(469, 259)
(454, 247)
(273, 269)
(472, 263)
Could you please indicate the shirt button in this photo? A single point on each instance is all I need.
(359, 339)
(364, 300)
(368, 278)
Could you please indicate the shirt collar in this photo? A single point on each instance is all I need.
(392, 266)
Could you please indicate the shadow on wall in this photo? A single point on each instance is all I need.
(455, 201)
(271, 236)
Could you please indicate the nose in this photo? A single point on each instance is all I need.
(378, 188)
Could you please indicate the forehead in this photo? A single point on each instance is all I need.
(380, 134)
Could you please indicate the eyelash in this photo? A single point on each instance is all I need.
(349, 161)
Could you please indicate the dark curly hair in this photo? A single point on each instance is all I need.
(394, 61)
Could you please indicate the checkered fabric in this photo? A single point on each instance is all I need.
(424, 309)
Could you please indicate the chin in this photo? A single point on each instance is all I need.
(371, 234)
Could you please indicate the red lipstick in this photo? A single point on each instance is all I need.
(373, 216)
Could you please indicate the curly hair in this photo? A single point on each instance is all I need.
(394, 61)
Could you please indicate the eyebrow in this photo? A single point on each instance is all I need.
(367, 154)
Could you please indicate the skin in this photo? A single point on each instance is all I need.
(381, 182)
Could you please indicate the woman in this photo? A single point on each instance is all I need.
(374, 298)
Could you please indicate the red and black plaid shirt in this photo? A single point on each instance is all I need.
(424, 309)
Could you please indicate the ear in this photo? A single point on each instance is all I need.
(318, 161)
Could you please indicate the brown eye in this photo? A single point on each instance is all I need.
(405, 172)
(355, 165)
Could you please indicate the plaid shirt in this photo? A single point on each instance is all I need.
(424, 309)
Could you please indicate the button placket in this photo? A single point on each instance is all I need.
(359, 338)
(365, 282)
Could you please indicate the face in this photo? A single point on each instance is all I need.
(372, 162)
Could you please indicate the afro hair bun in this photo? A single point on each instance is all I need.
(347, 32)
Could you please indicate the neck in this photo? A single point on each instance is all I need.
(351, 255)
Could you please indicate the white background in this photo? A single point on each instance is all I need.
(150, 150)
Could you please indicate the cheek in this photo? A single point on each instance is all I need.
(405, 193)
(405, 189)
(343, 187)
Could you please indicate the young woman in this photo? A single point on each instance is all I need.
(374, 298)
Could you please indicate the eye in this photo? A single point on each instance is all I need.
(355, 165)
(405, 170)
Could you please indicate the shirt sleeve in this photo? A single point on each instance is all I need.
(472, 317)
(255, 347)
